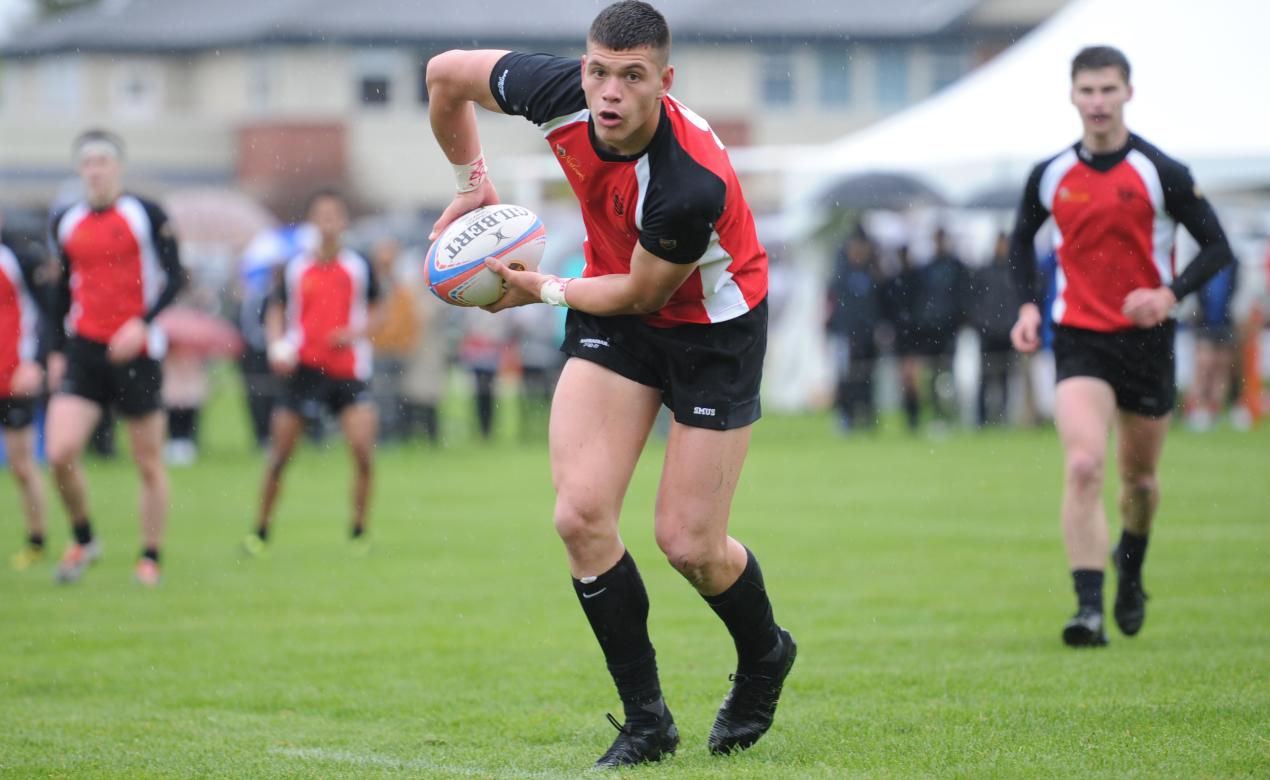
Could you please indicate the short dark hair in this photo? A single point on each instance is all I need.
(322, 194)
(95, 135)
(1099, 57)
(629, 24)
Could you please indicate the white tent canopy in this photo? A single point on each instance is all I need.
(1197, 75)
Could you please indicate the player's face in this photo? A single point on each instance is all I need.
(624, 91)
(1099, 95)
(330, 218)
(102, 175)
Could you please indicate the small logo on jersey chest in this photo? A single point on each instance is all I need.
(1068, 196)
(1126, 194)
(570, 162)
(619, 208)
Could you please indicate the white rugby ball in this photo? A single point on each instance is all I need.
(455, 264)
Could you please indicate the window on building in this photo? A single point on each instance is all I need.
(948, 63)
(777, 77)
(892, 76)
(260, 81)
(375, 70)
(375, 90)
(59, 79)
(835, 76)
(137, 89)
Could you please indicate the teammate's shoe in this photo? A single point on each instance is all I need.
(1085, 629)
(639, 746)
(27, 557)
(750, 706)
(76, 560)
(1131, 601)
(254, 546)
(147, 572)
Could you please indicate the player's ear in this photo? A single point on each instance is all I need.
(667, 78)
(1128, 92)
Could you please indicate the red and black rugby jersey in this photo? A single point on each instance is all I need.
(118, 263)
(679, 198)
(1115, 219)
(322, 297)
(19, 317)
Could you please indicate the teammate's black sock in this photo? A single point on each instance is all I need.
(1088, 587)
(358, 531)
(616, 605)
(263, 533)
(912, 409)
(1132, 551)
(36, 541)
(745, 609)
(152, 553)
(83, 531)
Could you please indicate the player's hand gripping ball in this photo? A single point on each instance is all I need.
(455, 265)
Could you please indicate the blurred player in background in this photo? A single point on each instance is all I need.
(21, 385)
(1116, 201)
(671, 309)
(119, 268)
(317, 327)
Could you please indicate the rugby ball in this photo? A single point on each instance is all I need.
(455, 264)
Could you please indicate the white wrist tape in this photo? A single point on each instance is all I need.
(552, 292)
(471, 176)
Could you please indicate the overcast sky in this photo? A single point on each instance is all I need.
(10, 12)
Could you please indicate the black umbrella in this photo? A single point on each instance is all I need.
(1001, 196)
(891, 191)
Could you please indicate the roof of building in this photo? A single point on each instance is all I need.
(194, 25)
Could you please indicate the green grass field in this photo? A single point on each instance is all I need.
(924, 580)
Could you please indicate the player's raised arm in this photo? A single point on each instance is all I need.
(458, 80)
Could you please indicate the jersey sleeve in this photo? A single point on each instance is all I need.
(680, 210)
(373, 291)
(1186, 204)
(59, 295)
(165, 246)
(539, 87)
(1031, 215)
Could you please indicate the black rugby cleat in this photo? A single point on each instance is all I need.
(1130, 609)
(749, 707)
(636, 745)
(1085, 629)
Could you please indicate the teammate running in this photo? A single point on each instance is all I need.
(1115, 200)
(671, 309)
(120, 268)
(21, 384)
(317, 327)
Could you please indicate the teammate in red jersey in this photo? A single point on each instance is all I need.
(1116, 202)
(317, 325)
(671, 309)
(120, 268)
(21, 384)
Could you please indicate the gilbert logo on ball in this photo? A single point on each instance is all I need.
(455, 264)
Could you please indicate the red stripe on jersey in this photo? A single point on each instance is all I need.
(325, 297)
(18, 320)
(1114, 236)
(731, 277)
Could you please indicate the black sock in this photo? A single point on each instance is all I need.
(1088, 587)
(616, 605)
(263, 533)
(36, 541)
(83, 531)
(358, 531)
(745, 609)
(152, 553)
(1131, 552)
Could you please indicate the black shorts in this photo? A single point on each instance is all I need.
(16, 413)
(132, 388)
(309, 390)
(708, 375)
(1138, 364)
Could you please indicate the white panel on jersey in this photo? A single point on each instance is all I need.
(723, 298)
(70, 220)
(359, 271)
(1060, 303)
(641, 178)
(152, 275)
(1053, 174)
(560, 121)
(294, 273)
(696, 120)
(1163, 228)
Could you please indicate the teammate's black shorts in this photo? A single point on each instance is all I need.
(309, 390)
(708, 375)
(16, 413)
(132, 388)
(1137, 363)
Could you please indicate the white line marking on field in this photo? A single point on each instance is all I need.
(388, 762)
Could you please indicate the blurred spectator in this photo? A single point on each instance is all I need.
(995, 302)
(424, 382)
(941, 311)
(901, 298)
(855, 307)
(1215, 345)
(185, 386)
(394, 340)
(538, 332)
(481, 349)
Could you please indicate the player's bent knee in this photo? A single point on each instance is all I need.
(1142, 485)
(1085, 469)
(690, 556)
(578, 524)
